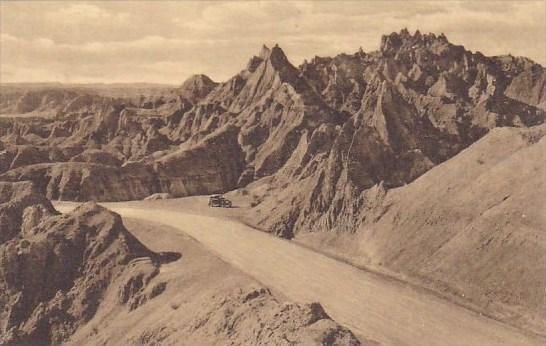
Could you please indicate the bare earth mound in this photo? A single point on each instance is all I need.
(207, 302)
(471, 228)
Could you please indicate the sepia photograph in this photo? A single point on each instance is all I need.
(273, 173)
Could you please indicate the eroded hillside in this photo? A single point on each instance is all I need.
(471, 229)
(55, 269)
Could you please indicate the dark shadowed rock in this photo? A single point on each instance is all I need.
(15, 198)
(212, 166)
(55, 269)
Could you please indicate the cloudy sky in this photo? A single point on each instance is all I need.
(166, 41)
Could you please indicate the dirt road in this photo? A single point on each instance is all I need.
(370, 305)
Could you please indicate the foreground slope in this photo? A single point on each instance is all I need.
(208, 302)
(374, 306)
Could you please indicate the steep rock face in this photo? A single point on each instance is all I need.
(212, 166)
(55, 269)
(421, 101)
(98, 156)
(15, 156)
(270, 102)
(14, 198)
(340, 80)
(527, 86)
(112, 126)
(24, 131)
(119, 129)
(80, 181)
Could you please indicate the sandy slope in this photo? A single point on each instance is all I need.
(370, 306)
(205, 301)
(472, 229)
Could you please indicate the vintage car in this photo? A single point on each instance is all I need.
(219, 201)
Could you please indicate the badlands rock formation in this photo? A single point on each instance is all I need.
(341, 151)
(414, 104)
(337, 125)
(55, 269)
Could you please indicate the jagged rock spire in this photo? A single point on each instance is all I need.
(395, 41)
(264, 52)
(275, 55)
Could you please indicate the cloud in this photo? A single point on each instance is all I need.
(85, 14)
(11, 72)
(7, 38)
(240, 16)
(151, 58)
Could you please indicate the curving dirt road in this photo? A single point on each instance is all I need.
(371, 306)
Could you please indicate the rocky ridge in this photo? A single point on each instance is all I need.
(415, 103)
(340, 124)
(55, 269)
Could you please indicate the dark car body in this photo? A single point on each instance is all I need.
(219, 201)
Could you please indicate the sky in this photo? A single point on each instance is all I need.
(168, 41)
